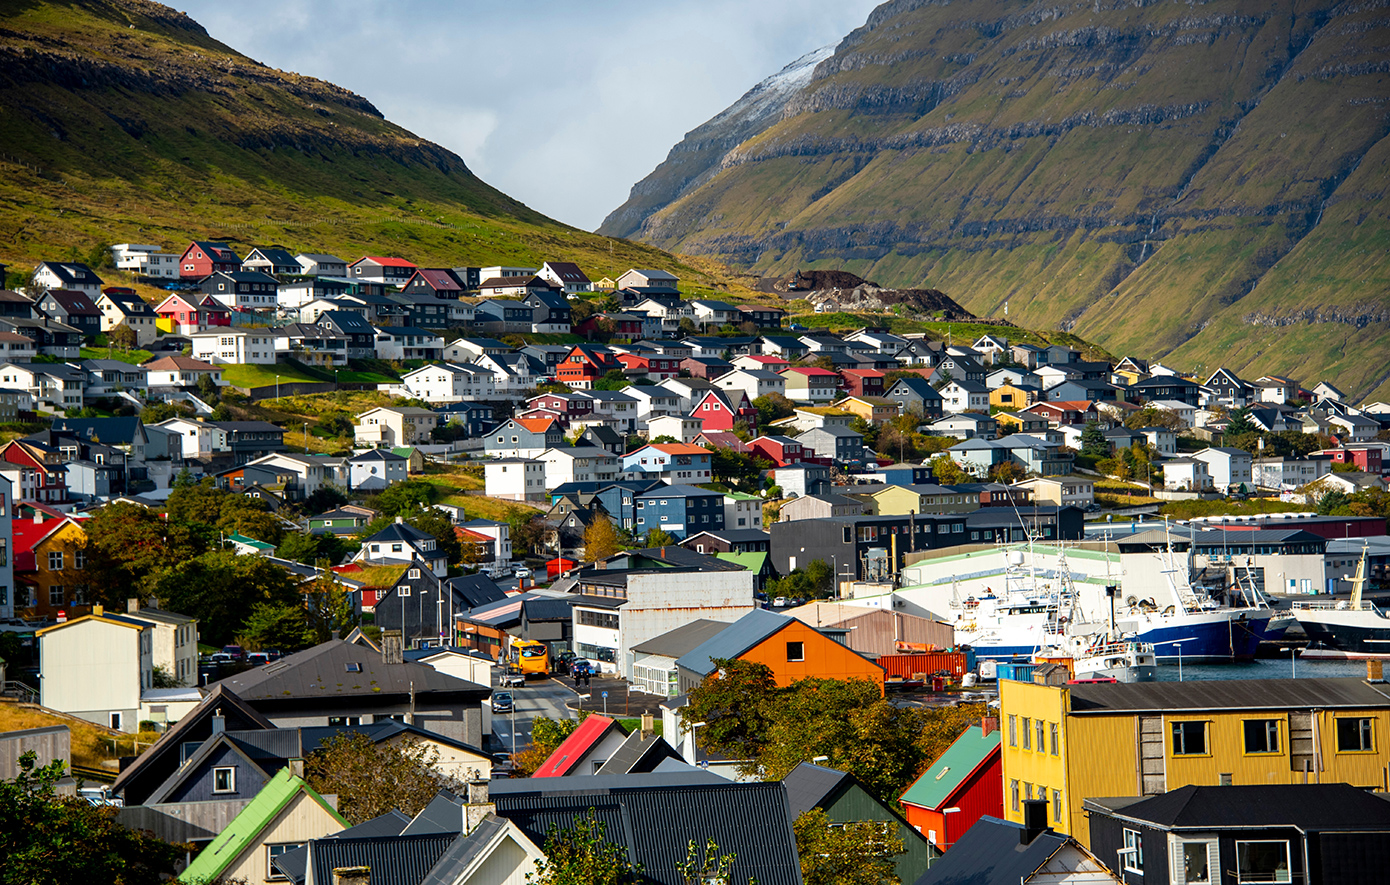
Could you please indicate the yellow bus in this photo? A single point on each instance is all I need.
(530, 657)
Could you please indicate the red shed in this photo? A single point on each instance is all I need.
(967, 780)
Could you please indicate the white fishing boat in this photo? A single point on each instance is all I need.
(1343, 629)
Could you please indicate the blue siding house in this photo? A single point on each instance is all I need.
(680, 510)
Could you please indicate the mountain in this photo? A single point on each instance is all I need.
(1200, 182)
(124, 121)
(698, 155)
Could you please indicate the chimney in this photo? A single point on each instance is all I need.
(297, 768)
(479, 805)
(1034, 820)
(132, 606)
(391, 650)
(1375, 670)
(98, 609)
(352, 876)
(988, 726)
(400, 519)
(219, 722)
(648, 724)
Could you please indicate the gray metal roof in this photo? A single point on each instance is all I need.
(1229, 694)
(656, 816)
(394, 860)
(808, 785)
(733, 640)
(640, 754)
(463, 851)
(681, 640)
(322, 672)
(990, 853)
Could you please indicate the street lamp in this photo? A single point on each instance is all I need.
(1179, 647)
(946, 826)
(277, 388)
(1293, 663)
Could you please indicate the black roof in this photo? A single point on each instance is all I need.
(394, 860)
(322, 672)
(812, 786)
(294, 864)
(656, 816)
(990, 853)
(476, 590)
(639, 754)
(1307, 807)
(1229, 694)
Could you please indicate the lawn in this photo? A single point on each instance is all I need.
(134, 357)
(253, 375)
(454, 483)
(91, 744)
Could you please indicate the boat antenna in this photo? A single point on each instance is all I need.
(1358, 582)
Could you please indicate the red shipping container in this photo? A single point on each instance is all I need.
(906, 666)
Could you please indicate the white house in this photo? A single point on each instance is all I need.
(566, 275)
(95, 668)
(407, 343)
(392, 426)
(1289, 473)
(965, 396)
(466, 350)
(235, 346)
(375, 469)
(313, 472)
(320, 265)
(448, 383)
(753, 382)
(67, 275)
(578, 464)
(146, 260)
(181, 371)
(1186, 474)
(1186, 413)
(174, 641)
(1229, 467)
(742, 511)
(1161, 440)
(130, 310)
(512, 373)
(653, 402)
(492, 273)
(681, 428)
(714, 313)
(514, 479)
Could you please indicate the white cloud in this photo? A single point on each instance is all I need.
(563, 105)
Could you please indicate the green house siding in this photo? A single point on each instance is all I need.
(854, 805)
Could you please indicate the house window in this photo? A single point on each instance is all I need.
(1133, 852)
(1189, 738)
(1041, 734)
(342, 721)
(1027, 733)
(1197, 859)
(1013, 730)
(115, 721)
(1013, 794)
(1056, 749)
(414, 573)
(403, 590)
(224, 780)
(1056, 805)
(1262, 862)
(1353, 735)
(55, 594)
(55, 562)
(79, 559)
(796, 651)
(1261, 735)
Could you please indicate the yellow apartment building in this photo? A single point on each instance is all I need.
(1069, 743)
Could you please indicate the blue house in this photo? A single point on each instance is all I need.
(672, 462)
(680, 510)
(477, 419)
(620, 499)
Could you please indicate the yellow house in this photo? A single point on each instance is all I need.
(1009, 397)
(1069, 743)
(874, 409)
(900, 500)
(50, 561)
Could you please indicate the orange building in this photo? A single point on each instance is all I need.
(791, 649)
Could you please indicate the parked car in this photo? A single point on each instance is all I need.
(780, 602)
(237, 652)
(521, 571)
(512, 678)
(221, 658)
(257, 658)
(501, 702)
(100, 796)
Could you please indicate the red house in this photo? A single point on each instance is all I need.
(967, 779)
(584, 365)
(721, 439)
(780, 450)
(434, 281)
(863, 382)
(203, 259)
(722, 409)
(50, 482)
(1366, 458)
(625, 325)
(655, 366)
(178, 314)
(1064, 411)
(568, 405)
(586, 749)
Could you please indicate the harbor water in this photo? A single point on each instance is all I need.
(1264, 668)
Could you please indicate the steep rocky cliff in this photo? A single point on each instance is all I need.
(1196, 181)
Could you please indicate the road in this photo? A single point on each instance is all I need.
(540, 697)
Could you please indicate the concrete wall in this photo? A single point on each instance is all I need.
(659, 603)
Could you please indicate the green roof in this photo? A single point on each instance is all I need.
(943, 776)
(248, 826)
(403, 451)
(753, 562)
(249, 542)
(741, 496)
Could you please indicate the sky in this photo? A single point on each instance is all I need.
(562, 104)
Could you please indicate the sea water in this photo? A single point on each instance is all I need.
(1264, 668)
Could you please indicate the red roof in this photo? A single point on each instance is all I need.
(439, 279)
(385, 261)
(573, 750)
(535, 425)
(27, 535)
(863, 373)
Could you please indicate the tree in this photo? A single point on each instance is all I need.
(528, 530)
(328, 608)
(162, 678)
(704, 864)
(249, 517)
(324, 499)
(600, 539)
(129, 547)
(546, 736)
(947, 472)
(664, 438)
(276, 625)
(1153, 416)
(122, 336)
(371, 779)
(309, 548)
(860, 853)
(1333, 502)
(773, 407)
(734, 703)
(198, 503)
(658, 537)
(1007, 472)
(1093, 442)
(403, 498)
(437, 523)
(221, 589)
(1240, 423)
(581, 855)
(207, 389)
(821, 577)
(65, 840)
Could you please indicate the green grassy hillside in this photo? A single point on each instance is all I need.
(1200, 183)
(123, 121)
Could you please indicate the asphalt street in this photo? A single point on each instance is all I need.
(539, 697)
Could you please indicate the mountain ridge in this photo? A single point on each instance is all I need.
(1199, 184)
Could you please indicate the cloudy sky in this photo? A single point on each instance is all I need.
(563, 104)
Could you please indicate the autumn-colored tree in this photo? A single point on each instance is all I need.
(122, 336)
(600, 540)
(859, 853)
(733, 702)
(657, 537)
(947, 472)
(546, 736)
(1007, 472)
(371, 779)
(129, 547)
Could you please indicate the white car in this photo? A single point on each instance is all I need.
(780, 602)
(521, 571)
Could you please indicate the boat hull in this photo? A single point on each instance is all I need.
(1345, 634)
(1209, 638)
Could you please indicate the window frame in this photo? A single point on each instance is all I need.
(1211, 848)
(1366, 733)
(1270, 734)
(1013, 730)
(800, 651)
(1185, 724)
(217, 772)
(1013, 794)
(1288, 862)
(1133, 861)
(1027, 732)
